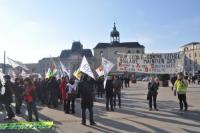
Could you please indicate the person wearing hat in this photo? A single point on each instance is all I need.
(181, 86)
(7, 98)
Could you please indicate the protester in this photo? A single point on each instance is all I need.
(117, 90)
(53, 92)
(173, 80)
(127, 81)
(18, 91)
(181, 86)
(30, 97)
(7, 97)
(64, 94)
(86, 91)
(109, 94)
(1, 106)
(153, 87)
(100, 88)
(72, 93)
(122, 80)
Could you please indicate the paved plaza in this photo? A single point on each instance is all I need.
(134, 115)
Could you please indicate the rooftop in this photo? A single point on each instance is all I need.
(119, 44)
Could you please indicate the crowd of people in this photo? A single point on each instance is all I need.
(53, 92)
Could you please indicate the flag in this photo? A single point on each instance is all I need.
(12, 74)
(64, 69)
(107, 67)
(24, 74)
(2, 90)
(85, 68)
(100, 71)
(15, 64)
(50, 73)
(77, 74)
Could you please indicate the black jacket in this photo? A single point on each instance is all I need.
(109, 88)
(86, 92)
(7, 97)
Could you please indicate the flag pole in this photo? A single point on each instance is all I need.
(4, 63)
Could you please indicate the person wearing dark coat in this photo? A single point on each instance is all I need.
(109, 94)
(7, 97)
(86, 91)
(153, 87)
(117, 91)
(173, 80)
(18, 91)
(100, 89)
(53, 92)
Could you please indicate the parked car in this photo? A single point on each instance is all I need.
(145, 79)
(139, 78)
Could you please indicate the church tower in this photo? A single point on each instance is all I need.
(114, 35)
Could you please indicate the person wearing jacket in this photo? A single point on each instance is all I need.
(86, 91)
(29, 97)
(64, 95)
(181, 86)
(109, 94)
(7, 97)
(71, 90)
(117, 90)
(18, 90)
(153, 87)
(53, 92)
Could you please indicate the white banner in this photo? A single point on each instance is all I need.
(15, 64)
(168, 63)
(85, 68)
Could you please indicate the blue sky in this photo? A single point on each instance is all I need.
(33, 29)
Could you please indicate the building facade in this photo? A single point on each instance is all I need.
(71, 58)
(191, 54)
(110, 50)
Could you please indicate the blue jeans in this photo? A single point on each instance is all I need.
(31, 107)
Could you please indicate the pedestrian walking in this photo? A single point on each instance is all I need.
(153, 87)
(117, 91)
(181, 86)
(18, 91)
(7, 97)
(109, 94)
(30, 98)
(86, 91)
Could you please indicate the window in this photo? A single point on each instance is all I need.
(190, 55)
(195, 54)
(129, 51)
(101, 53)
(137, 51)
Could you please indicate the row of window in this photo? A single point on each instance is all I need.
(129, 51)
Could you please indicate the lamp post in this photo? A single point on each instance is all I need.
(4, 63)
(193, 61)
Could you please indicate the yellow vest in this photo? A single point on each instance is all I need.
(181, 86)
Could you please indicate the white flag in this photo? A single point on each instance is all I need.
(64, 69)
(15, 63)
(24, 74)
(107, 67)
(85, 68)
